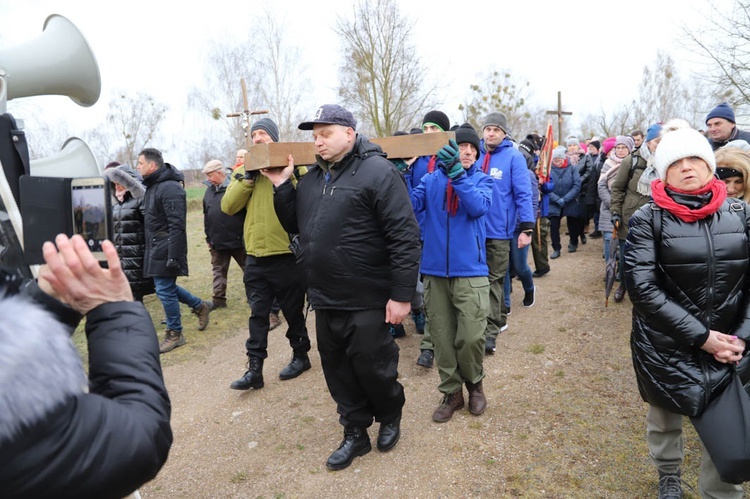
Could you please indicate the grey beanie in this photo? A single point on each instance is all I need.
(496, 119)
(559, 152)
(269, 126)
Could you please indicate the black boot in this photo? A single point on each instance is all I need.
(253, 377)
(299, 364)
(356, 443)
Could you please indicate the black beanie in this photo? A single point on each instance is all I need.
(438, 118)
(596, 144)
(466, 133)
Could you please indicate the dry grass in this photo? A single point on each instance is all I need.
(564, 418)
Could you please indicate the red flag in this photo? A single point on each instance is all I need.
(545, 155)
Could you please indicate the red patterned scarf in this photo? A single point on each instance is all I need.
(663, 200)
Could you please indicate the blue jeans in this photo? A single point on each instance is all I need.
(519, 262)
(171, 295)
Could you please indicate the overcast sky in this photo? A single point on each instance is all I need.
(593, 52)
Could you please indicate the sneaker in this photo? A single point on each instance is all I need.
(504, 327)
(172, 340)
(555, 254)
(202, 311)
(419, 321)
(426, 358)
(274, 321)
(397, 330)
(489, 345)
(670, 486)
(529, 298)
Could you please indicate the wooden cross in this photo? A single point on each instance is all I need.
(559, 112)
(275, 154)
(245, 115)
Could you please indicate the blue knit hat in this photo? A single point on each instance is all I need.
(653, 132)
(721, 111)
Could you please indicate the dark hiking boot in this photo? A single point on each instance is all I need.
(218, 303)
(202, 311)
(356, 443)
(620, 293)
(419, 321)
(477, 400)
(172, 340)
(426, 359)
(299, 364)
(670, 485)
(253, 377)
(451, 403)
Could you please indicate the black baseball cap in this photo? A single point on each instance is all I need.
(330, 114)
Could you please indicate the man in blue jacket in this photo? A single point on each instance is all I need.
(454, 200)
(511, 198)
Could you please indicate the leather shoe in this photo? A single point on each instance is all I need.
(477, 400)
(555, 254)
(620, 293)
(389, 434)
(426, 358)
(541, 273)
(572, 248)
(451, 403)
(298, 365)
(356, 443)
(583, 239)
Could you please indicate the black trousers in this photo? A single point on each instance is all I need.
(277, 277)
(360, 364)
(575, 229)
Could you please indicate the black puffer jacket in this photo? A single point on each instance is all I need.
(223, 232)
(692, 278)
(357, 231)
(128, 233)
(166, 212)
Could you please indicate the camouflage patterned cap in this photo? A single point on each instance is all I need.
(330, 114)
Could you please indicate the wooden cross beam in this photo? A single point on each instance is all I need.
(275, 154)
(559, 112)
(245, 114)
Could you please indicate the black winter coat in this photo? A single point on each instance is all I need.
(71, 444)
(692, 278)
(129, 238)
(166, 212)
(357, 231)
(223, 232)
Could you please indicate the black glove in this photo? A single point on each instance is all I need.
(173, 265)
(616, 221)
(252, 175)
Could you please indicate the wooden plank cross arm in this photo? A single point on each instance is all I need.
(275, 154)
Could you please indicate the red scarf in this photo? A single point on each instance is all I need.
(431, 164)
(716, 187)
(452, 200)
(486, 163)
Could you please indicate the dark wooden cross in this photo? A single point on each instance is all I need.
(559, 112)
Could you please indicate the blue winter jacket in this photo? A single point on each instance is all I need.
(564, 197)
(454, 246)
(413, 178)
(534, 200)
(511, 193)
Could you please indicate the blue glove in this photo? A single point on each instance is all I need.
(449, 157)
(560, 202)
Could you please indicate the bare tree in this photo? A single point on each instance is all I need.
(662, 93)
(134, 122)
(724, 41)
(510, 94)
(381, 78)
(621, 121)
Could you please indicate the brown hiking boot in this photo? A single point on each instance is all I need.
(450, 404)
(172, 340)
(477, 401)
(273, 321)
(202, 311)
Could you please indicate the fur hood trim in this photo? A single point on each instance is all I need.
(128, 178)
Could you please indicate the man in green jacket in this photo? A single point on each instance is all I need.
(271, 270)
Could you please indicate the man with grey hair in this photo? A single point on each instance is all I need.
(511, 202)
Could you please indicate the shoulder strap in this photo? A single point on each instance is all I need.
(657, 224)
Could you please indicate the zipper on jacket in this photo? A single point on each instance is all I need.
(709, 305)
(447, 243)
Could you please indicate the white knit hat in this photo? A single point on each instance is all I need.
(679, 144)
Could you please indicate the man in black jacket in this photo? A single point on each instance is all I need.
(360, 244)
(166, 244)
(56, 438)
(223, 232)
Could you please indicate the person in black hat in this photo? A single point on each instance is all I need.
(722, 127)
(453, 201)
(360, 247)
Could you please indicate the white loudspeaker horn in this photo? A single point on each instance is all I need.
(75, 159)
(58, 62)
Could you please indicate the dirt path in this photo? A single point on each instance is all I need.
(564, 418)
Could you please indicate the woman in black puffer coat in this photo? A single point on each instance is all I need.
(127, 227)
(686, 271)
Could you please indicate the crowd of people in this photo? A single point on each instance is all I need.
(367, 242)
